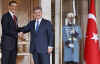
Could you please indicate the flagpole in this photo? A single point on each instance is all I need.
(74, 10)
(74, 13)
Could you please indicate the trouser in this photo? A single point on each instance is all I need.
(8, 56)
(40, 58)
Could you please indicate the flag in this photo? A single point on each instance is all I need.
(91, 50)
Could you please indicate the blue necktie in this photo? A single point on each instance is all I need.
(37, 26)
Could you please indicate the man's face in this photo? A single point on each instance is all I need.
(12, 7)
(70, 18)
(38, 13)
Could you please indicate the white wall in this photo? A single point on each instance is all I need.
(98, 15)
(46, 8)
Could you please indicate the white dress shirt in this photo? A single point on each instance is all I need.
(12, 14)
(39, 20)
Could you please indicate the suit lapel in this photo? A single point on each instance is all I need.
(12, 19)
(34, 25)
(41, 24)
(10, 16)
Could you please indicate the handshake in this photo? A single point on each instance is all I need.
(21, 36)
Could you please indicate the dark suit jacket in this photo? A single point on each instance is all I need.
(42, 39)
(9, 32)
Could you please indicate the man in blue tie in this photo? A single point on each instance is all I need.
(41, 43)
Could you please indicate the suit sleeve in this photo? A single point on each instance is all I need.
(4, 23)
(50, 34)
(26, 28)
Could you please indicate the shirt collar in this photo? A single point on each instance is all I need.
(39, 20)
(11, 13)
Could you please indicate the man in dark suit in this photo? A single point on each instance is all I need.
(41, 43)
(9, 35)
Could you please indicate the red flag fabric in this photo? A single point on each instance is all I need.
(91, 51)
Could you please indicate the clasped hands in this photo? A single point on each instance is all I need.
(21, 36)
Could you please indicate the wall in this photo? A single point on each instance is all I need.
(98, 15)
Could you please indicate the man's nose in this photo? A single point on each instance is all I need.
(14, 8)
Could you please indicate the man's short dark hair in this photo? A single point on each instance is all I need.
(10, 2)
(37, 8)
